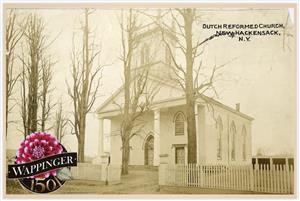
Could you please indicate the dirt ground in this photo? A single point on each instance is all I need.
(139, 181)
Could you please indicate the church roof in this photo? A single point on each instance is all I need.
(167, 101)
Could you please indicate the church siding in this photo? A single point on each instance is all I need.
(211, 136)
(137, 143)
(168, 139)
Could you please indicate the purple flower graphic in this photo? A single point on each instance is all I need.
(36, 146)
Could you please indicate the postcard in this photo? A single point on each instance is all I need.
(149, 99)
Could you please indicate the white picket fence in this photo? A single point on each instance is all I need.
(263, 178)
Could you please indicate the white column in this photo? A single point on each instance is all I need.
(197, 132)
(97, 160)
(100, 139)
(156, 137)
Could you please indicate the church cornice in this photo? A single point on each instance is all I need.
(181, 101)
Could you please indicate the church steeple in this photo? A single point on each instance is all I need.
(152, 51)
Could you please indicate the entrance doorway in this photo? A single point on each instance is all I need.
(149, 152)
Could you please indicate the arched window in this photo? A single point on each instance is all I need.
(144, 55)
(179, 123)
(219, 138)
(233, 136)
(244, 148)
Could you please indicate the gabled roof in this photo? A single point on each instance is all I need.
(226, 107)
(110, 99)
(177, 99)
(120, 90)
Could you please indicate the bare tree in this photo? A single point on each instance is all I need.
(35, 40)
(60, 123)
(45, 99)
(86, 82)
(188, 73)
(138, 92)
(36, 75)
(13, 35)
(24, 100)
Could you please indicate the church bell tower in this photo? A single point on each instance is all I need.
(156, 43)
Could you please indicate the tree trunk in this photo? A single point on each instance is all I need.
(6, 88)
(191, 129)
(125, 156)
(82, 94)
(24, 103)
(32, 97)
(43, 114)
(34, 43)
(6, 116)
(81, 142)
(81, 149)
(125, 135)
(190, 95)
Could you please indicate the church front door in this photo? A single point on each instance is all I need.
(149, 146)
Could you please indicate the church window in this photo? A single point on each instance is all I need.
(179, 123)
(219, 138)
(244, 136)
(233, 136)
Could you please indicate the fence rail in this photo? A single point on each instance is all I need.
(262, 178)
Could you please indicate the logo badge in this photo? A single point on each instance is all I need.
(42, 164)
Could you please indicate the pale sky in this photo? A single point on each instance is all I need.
(262, 78)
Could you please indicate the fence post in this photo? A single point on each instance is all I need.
(288, 179)
(202, 176)
(252, 177)
(292, 179)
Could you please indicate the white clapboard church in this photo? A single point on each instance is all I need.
(223, 134)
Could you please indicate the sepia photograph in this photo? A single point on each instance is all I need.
(149, 99)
